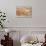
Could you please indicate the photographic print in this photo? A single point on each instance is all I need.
(24, 10)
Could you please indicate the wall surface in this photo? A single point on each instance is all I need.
(38, 13)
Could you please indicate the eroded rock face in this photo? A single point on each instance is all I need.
(23, 11)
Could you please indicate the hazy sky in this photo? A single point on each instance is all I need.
(23, 2)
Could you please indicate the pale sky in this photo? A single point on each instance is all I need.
(23, 2)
